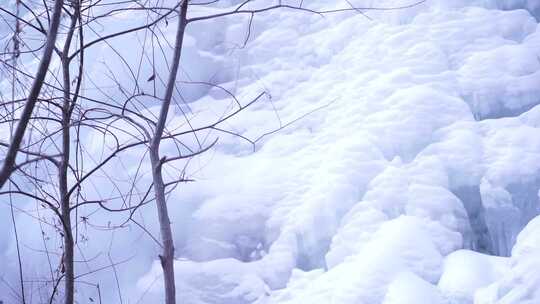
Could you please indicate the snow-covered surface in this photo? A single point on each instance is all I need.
(520, 283)
(420, 163)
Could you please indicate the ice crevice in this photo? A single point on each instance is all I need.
(480, 239)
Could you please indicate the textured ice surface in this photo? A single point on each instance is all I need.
(520, 283)
(465, 271)
(363, 201)
(424, 147)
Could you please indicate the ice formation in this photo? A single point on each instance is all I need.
(415, 180)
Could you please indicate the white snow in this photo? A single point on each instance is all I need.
(419, 165)
(465, 272)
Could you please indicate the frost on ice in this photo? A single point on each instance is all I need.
(422, 170)
(416, 181)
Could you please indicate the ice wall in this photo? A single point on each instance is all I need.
(427, 147)
(425, 142)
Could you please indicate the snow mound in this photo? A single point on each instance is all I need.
(520, 283)
(465, 271)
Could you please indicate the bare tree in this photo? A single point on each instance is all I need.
(9, 160)
(57, 106)
(63, 166)
(167, 257)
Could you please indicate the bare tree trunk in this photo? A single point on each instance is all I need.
(64, 199)
(69, 267)
(9, 161)
(167, 257)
